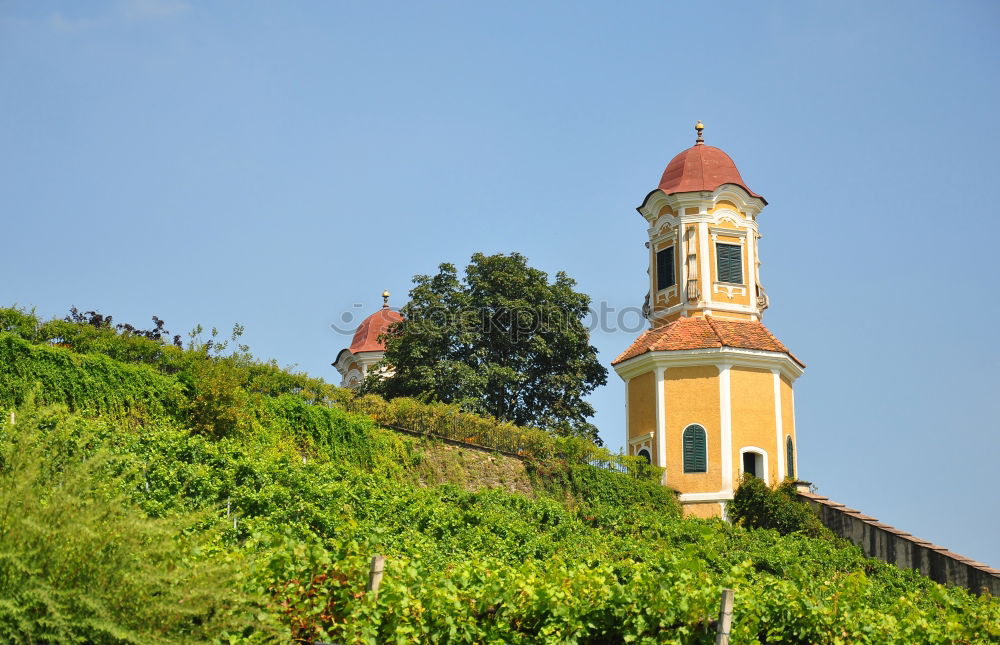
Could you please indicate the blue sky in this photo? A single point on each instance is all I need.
(277, 163)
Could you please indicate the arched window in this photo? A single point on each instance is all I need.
(789, 457)
(645, 455)
(695, 457)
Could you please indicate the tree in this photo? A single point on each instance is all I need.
(502, 341)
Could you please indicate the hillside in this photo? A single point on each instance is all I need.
(159, 494)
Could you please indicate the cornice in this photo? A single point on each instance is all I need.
(343, 360)
(717, 356)
(703, 200)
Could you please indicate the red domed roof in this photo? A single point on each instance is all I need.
(701, 167)
(366, 336)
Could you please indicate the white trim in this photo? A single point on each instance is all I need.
(725, 426)
(710, 356)
(720, 216)
(682, 261)
(751, 277)
(644, 442)
(727, 214)
(641, 438)
(731, 308)
(628, 384)
(666, 312)
(661, 424)
(657, 232)
(651, 274)
(706, 270)
(717, 231)
(746, 204)
(363, 360)
(343, 362)
(657, 225)
(763, 453)
(729, 288)
(716, 306)
(667, 293)
(719, 496)
(795, 431)
(777, 422)
(353, 378)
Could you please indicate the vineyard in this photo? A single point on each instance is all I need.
(156, 494)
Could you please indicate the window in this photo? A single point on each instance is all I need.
(789, 457)
(754, 463)
(665, 268)
(729, 263)
(645, 455)
(695, 458)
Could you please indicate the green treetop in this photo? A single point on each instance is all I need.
(503, 341)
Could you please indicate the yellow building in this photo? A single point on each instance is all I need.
(708, 387)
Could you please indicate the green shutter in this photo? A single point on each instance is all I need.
(695, 457)
(665, 268)
(789, 457)
(729, 263)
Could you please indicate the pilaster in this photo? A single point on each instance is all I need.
(661, 423)
(726, 428)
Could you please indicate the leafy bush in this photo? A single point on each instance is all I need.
(757, 506)
(85, 382)
(218, 405)
(79, 565)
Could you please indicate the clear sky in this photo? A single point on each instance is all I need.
(275, 164)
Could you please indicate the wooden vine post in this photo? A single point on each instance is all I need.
(725, 617)
(375, 575)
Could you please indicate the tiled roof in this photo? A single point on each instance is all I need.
(366, 336)
(705, 333)
(698, 168)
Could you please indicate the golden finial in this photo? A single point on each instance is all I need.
(385, 299)
(699, 127)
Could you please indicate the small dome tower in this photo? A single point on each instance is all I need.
(703, 239)
(366, 349)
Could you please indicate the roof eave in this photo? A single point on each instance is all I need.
(786, 363)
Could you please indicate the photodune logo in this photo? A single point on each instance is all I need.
(517, 323)
(349, 320)
(610, 320)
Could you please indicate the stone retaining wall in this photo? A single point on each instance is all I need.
(891, 545)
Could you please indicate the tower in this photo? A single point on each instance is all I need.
(708, 387)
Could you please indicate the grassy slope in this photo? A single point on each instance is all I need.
(305, 492)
